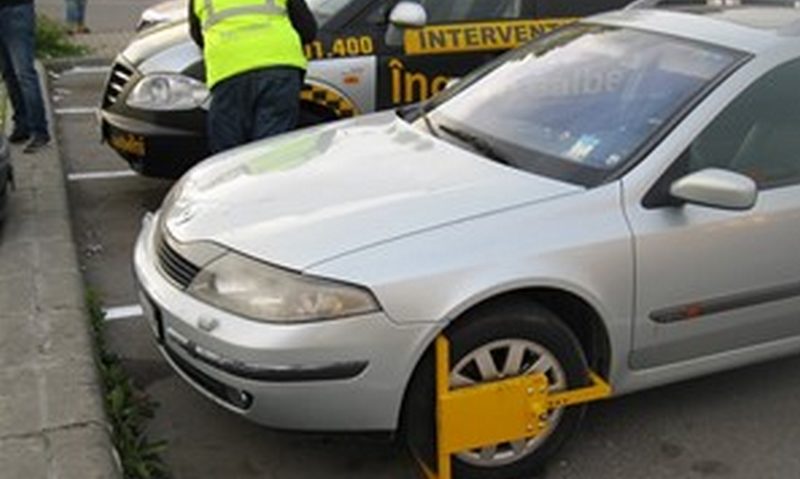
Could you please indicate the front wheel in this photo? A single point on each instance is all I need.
(490, 344)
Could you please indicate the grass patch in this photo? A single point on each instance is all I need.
(3, 107)
(52, 40)
(128, 408)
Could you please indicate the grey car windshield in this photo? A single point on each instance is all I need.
(578, 104)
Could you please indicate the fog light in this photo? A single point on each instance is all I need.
(239, 398)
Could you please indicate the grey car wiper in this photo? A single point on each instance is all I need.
(479, 144)
(423, 112)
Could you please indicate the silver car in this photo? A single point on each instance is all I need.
(164, 12)
(622, 195)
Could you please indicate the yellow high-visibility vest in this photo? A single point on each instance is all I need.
(243, 35)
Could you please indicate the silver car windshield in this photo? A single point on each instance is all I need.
(579, 103)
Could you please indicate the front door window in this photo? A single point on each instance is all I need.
(758, 134)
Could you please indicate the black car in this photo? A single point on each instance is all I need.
(6, 174)
(369, 55)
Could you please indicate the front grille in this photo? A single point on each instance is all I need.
(176, 267)
(117, 81)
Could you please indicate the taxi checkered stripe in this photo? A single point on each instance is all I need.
(329, 99)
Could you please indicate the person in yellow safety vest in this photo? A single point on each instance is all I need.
(253, 51)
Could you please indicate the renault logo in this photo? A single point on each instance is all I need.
(182, 215)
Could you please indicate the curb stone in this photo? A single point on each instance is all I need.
(52, 419)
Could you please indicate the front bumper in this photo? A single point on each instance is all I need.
(339, 375)
(154, 143)
(152, 149)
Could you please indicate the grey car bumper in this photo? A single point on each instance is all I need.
(347, 374)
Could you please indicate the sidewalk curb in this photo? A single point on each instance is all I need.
(52, 417)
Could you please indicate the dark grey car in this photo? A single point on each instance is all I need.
(6, 173)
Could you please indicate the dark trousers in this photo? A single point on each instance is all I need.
(17, 25)
(252, 106)
(75, 12)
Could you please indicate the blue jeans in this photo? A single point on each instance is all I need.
(76, 11)
(253, 105)
(17, 40)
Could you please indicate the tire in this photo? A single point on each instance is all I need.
(490, 336)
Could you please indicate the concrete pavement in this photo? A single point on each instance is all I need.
(52, 421)
(105, 45)
(102, 16)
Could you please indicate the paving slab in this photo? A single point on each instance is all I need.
(52, 421)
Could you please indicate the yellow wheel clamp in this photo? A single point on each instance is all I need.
(495, 412)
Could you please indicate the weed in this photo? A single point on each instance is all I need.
(128, 408)
(52, 40)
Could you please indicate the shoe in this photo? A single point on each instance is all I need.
(78, 29)
(36, 144)
(18, 136)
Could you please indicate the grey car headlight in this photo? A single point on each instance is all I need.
(168, 91)
(266, 293)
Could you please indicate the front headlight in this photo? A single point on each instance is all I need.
(168, 91)
(262, 292)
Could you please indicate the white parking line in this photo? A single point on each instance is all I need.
(101, 175)
(123, 312)
(79, 110)
(82, 70)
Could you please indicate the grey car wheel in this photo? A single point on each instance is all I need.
(503, 359)
(491, 343)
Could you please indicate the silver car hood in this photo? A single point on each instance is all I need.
(309, 196)
(157, 40)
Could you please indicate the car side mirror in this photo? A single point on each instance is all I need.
(404, 15)
(716, 188)
(408, 15)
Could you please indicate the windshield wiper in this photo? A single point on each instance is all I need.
(423, 113)
(477, 143)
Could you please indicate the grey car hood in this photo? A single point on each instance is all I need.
(312, 195)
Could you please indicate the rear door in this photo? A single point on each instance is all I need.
(462, 35)
(459, 36)
(357, 69)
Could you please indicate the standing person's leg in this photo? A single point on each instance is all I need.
(19, 38)
(72, 15)
(277, 104)
(227, 115)
(82, 16)
(20, 132)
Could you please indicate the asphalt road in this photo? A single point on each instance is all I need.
(740, 425)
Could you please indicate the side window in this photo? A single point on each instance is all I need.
(560, 8)
(325, 10)
(758, 133)
(379, 13)
(446, 11)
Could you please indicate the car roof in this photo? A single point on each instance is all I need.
(754, 27)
